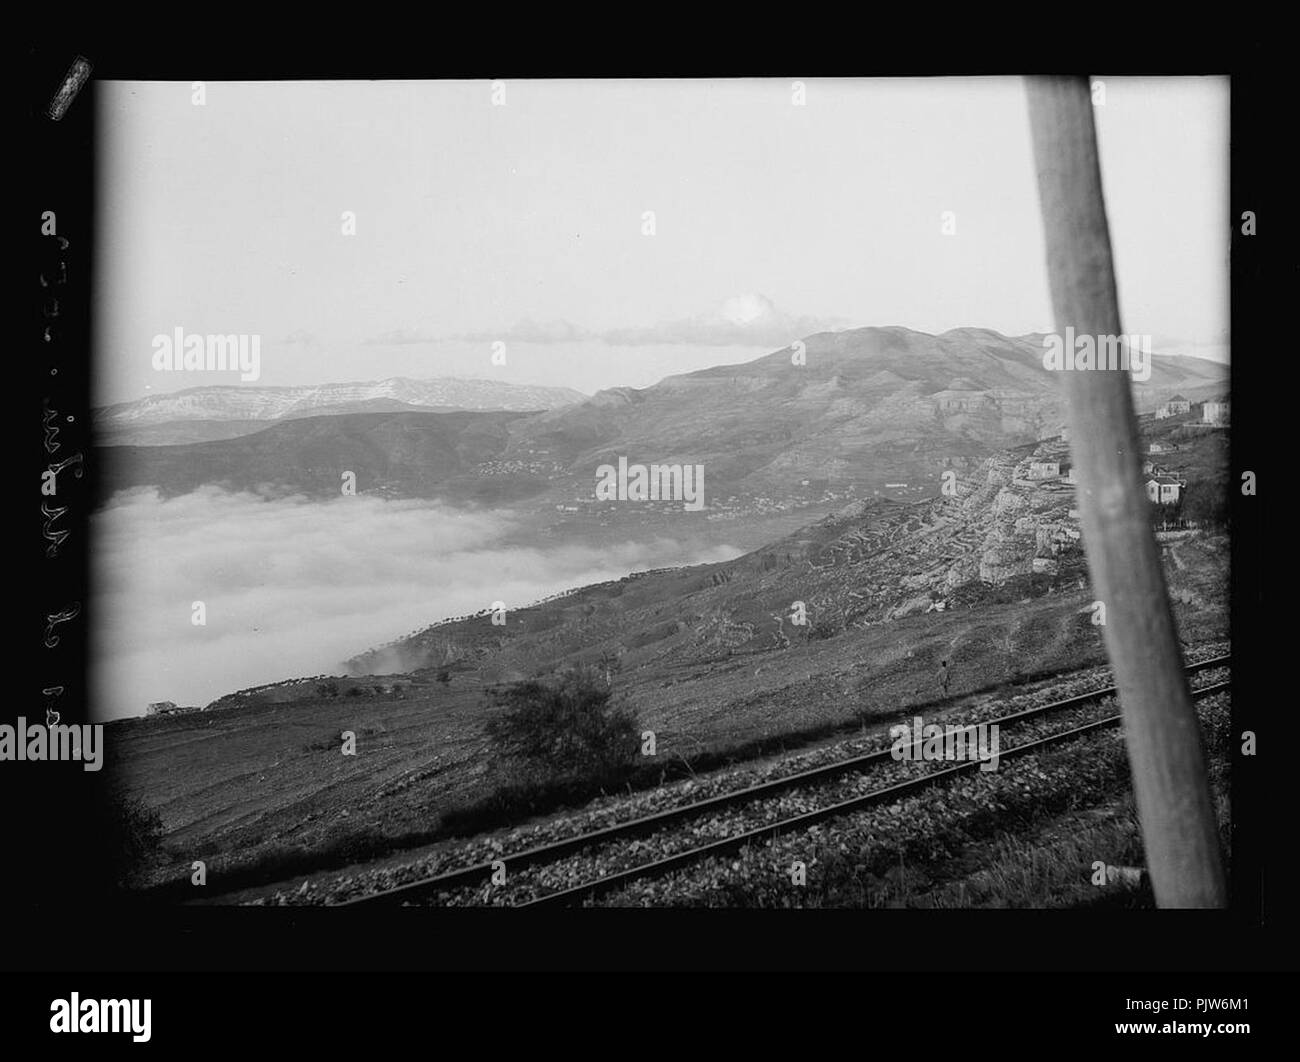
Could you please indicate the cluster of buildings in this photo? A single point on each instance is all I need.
(1215, 414)
(1175, 407)
(1162, 486)
(1164, 489)
(517, 467)
(1045, 468)
(158, 708)
(818, 491)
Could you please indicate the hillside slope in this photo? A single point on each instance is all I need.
(421, 454)
(254, 402)
(870, 408)
(1002, 537)
(906, 605)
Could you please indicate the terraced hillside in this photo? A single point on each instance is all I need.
(904, 605)
(866, 565)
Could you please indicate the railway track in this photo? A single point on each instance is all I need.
(480, 874)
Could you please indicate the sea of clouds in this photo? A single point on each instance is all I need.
(292, 587)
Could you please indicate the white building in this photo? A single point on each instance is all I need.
(1175, 406)
(1215, 413)
(1164, 490)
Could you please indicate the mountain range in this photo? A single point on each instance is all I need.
(868, 409)
(999, 538)
(205, 414)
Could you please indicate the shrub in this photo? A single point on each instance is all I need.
(570, 727)
(1207, 503)
(827, 626)
(136, 832)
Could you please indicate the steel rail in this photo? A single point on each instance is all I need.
(551, 851)
(612, 882)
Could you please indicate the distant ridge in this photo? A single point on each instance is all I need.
(223, 402)
(865, 408)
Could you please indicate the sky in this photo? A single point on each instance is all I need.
(525, 223)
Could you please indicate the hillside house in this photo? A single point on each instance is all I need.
(1164, 490)
(1068, 474)
(1174, 407)
(1162, 448)
(1215, 413)
(161, 708)
(960, 401)
(1044, 469)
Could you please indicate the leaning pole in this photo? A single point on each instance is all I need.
(1160, 727)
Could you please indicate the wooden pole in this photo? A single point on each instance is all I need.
(1160, 726)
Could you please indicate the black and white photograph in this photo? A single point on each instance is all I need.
(487, 466)
(682, 493)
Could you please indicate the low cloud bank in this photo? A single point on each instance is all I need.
(293, 587)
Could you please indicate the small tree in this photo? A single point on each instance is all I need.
(827, 625)
(570, 727)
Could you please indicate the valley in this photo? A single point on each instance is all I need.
(909, 536)
(903, 604)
